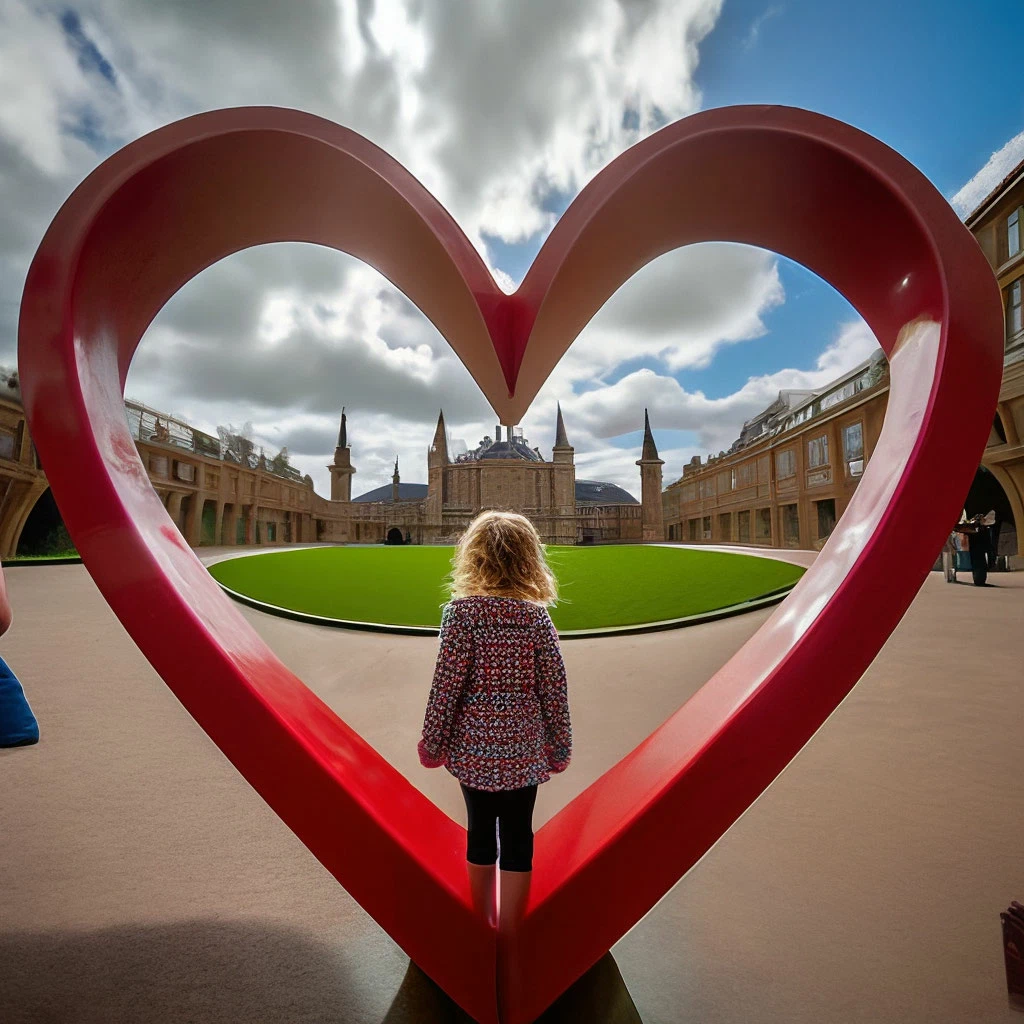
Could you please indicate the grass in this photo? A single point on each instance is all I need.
(600, 586)
(56, 556)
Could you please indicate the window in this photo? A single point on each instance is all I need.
(853, 448)
(826, 517)
(706, 527)
(1013, 234)
(744, 475)
(725, 482)
(817, 452)
(785, 464)
(1014, 322)
(7, 445)
(185, 471)
(790, 526)
(743, 523)
(692, 528)
(725, 526)
(845, 392)
(689, 492)
(158, 465)
(707, 488)
(853, 441)
(763, 526)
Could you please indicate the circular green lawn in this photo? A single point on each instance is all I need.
(600, 587)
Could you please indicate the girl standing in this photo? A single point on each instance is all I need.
(498, 715)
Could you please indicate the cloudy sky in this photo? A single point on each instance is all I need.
(504, 109)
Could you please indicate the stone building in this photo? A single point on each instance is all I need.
(791, 473)
(502, 472)
(218, 496)
(996, 224)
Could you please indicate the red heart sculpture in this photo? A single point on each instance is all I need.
(813, 189)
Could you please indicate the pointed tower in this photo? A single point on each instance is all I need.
(563, 480)
(562, 450)
(438, 455)
(341, 468)
(653, 516)
(395, 480)
(437, 470)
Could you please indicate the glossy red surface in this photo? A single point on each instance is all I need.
(817, 190)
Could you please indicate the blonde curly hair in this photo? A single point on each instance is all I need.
(501, 555)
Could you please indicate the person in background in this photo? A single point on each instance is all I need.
(979, 544)
(18, 726)
(949, 553)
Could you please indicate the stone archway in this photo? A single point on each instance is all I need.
(41, 530)
(394, 536)
(992, 490)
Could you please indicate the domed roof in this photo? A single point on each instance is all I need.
(598, 492)
(406, 492)
(514, 449)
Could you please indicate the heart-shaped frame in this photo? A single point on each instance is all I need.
(814, 189)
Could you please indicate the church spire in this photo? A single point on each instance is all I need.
(562, 451)
(341, 467)
(650, 450)
(652, 513)
(561, 438)
(439, 446)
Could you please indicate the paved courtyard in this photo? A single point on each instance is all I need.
(145, 881)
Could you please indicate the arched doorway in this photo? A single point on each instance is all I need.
(394, 536)
(44, 532)
(987, 494)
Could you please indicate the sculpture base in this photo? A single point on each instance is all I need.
(599, 997)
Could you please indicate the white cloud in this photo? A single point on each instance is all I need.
(681, 308)
(998, 166)
(503, 110)
(754, 33)
(598, 416)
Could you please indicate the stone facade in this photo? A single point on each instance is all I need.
(786, 481)
(996, 224)
(216, 498)
(503, 473)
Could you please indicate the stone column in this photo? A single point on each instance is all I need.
(174, 507)
(194, 521)
(218, 525)
(229, 528)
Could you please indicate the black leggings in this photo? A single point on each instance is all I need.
(512, 811)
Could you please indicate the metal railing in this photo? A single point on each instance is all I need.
(155, 427)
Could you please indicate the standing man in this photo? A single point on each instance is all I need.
(979, 544)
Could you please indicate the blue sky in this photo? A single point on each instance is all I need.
(927, 79)
(503, 110)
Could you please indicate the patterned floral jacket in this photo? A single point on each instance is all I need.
(498, 713)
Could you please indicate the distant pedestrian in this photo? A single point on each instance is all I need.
(950, 550)
(979, 544)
